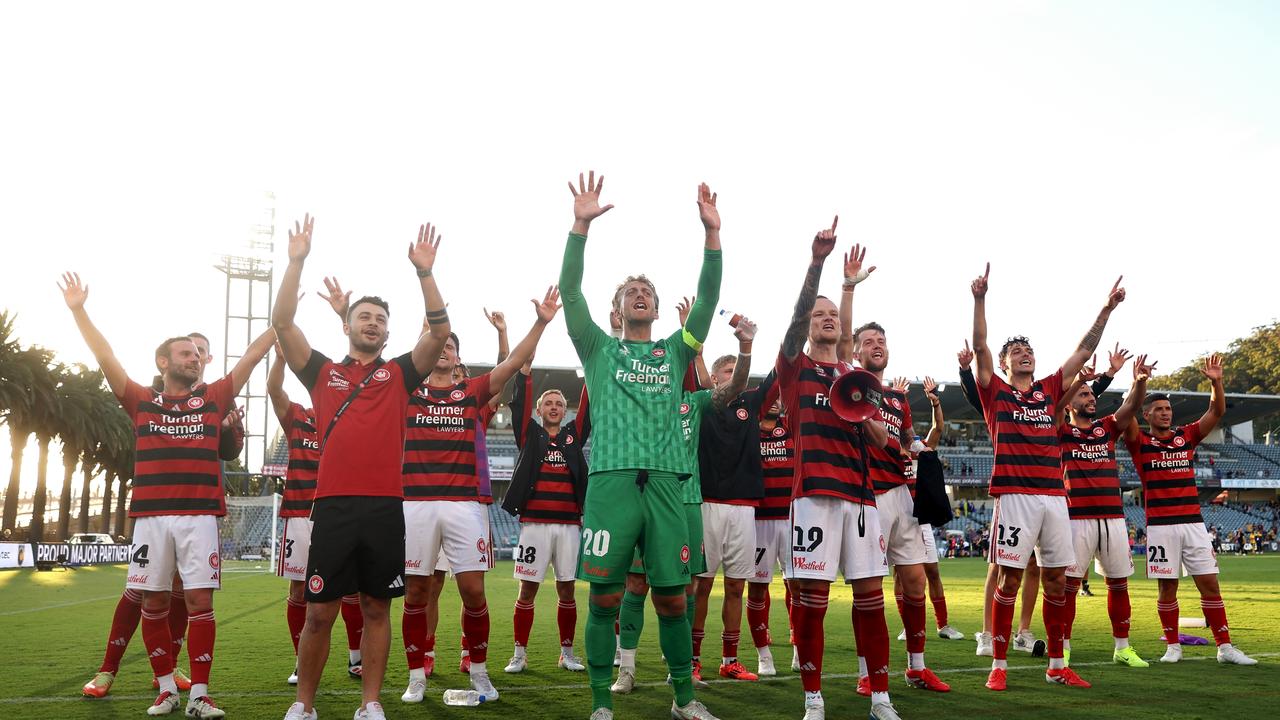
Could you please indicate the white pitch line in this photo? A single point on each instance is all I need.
(568, 686)
(59, 605)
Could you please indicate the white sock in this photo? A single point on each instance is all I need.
(519, 652)
(566, 651)
(728, 660)
(1000, 664)
(880, 698)
(765, 652)
(813, 697)
(431, 654)
(1057, 663)
(417, 674)
(199, 690)
(1223, 646)
(628, 659)
(353, 656)
(168, 683)
(862, 666)
(1122, 643)
(479, 669)
(916, 661)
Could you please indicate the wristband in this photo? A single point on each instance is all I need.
(424, 273)
(742, 354)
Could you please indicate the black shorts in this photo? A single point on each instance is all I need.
(357, 544)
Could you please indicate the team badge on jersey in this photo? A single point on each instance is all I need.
(195, 403)
(658, 352)
(1099, 432)
(568, 439)
(778, 431)
(742, 413)
(684, 408)
(315, 584)
(382, 374)
(457, 395)
(1179, 441)
(897, 405)
(1039, 396)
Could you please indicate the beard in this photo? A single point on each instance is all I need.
(364, 345)
(184, 376)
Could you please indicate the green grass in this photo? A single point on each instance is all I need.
(53, 625)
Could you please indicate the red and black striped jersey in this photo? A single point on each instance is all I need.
(304, 462)
(777, 458)
(440, 461)
(176, 467)
(1168, 478)
(827, 449)
(888, 471)
(1089, 466)
(1028, 458)
(553, 499)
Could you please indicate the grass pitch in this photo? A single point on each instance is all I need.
(53, 626)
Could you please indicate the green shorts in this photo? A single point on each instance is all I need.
(697, 558)
(620, 518)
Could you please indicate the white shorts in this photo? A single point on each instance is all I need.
(825, 538)
(901, 529)
(1106, 542)
(295, 549)
(547, 543)
(458, 527)
(442, 562)
(1183, 549)
(930, 544)
(773, 548)
(729, 539)
(1022, 523)
(163, 544)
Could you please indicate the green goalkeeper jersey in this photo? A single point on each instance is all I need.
(636, 387)
(692, 409)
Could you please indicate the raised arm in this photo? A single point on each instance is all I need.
(422, 254)
(1086, 374)
(520, 399)
(586, 208)
(1117, 358)
(704, 303)
(1132, 404)
(74, 293)
(253, 355)
(968, 387)
(1212, 369)
(935, 430)
(1089, 343)
(499, 323)
(338, 300)
(723, 395)
(546, 311)
(700, 378)
(853, 274)
(280, 402)
(981, 351)
(297, 351)
(793, 340)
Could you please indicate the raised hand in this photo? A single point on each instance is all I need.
(825, 241)
(901, 384)
(1118, 357)
(74, 292)
(853, 270)
(423, 252)
(1116, 296)
(707, 211)
(300, 238)
(550, 304)
(1089, 371)
(965, 356)
(1212, 367)
(338, 300)
(979, 287)
(746, 330)
(496, 319)
(683, 307)
(233, 419)
(931, 390)
(1143, 370)
(586, 198)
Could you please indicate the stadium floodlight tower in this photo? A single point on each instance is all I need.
(249, 293)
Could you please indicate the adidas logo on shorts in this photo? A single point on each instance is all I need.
(397, 583)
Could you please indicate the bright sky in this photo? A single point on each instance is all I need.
(1067, 143)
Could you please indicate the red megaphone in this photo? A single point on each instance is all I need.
(856, 395)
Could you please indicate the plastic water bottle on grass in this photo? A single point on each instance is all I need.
(463, 698)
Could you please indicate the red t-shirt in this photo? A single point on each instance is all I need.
(887, 468)
(176, 466)
(304, 462)
(1024, 435)
(1089, 463)
(443, 426)
(362, 455)
(1168, 478)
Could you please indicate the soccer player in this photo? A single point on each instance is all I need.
(444, 506)
(773, 530)
(1031, 506)
(1176, 536)
(1094, 502)
(638, 465)
(547, 491)
(128, 612)
(889, 473)
(299, 425)
(177, 496)
(358, 535)
(835, 524)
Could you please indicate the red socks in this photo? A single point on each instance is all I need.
(295, 614)
(1001, 624)
(1215, 616)
(413, 626)
(200, 631)
(1168, 613)
(1071, 590)
(940, 611)
(523, 623)
(353, 619)
(1118, 608)
(123, 624)
(698, 634)
(475, 626)
(874, 636)
(758, 621)
(1053, 610)
(729, 643)
(566, 620)
(155, 635)
(809, 608)
(177, 622)
(912, 610)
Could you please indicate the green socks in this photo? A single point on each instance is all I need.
(600, 646)
(630, 621)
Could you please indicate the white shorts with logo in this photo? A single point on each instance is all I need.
(541, 544)
(930, 544)
(1182, 549)
(1022, 523)
(1106, 542)
(901, 529)
(729, 539)
(773, 548)
(458, 527)
(825, 538)
(164, 544)
(295, 549)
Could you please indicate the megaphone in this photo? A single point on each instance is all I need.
(856, 395)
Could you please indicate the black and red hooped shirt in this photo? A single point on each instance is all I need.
(440, 459)
(1024, 434)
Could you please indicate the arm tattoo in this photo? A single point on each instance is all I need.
(798, 330)
(437, 317)
(723, 395)
(1091, 339)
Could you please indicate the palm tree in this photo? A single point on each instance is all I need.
(28, 370)
(116, 435)
(76, 421)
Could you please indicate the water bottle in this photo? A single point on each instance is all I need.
(734, 318)
(917, 446)
(463, 698)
